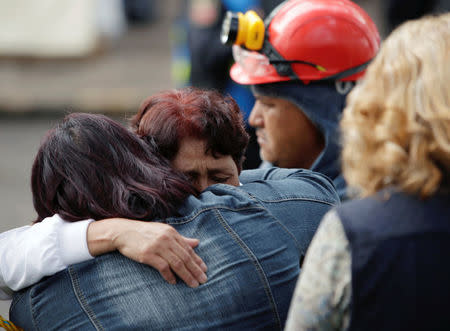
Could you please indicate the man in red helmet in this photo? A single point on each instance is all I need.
(310, 56)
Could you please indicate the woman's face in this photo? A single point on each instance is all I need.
(203, 168)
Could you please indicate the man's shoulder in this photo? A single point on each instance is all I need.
(280, 183)
(262, 185)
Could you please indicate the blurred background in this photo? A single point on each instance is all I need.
(61, 56)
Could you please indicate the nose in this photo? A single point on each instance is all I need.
(256, 119)
(201, 184)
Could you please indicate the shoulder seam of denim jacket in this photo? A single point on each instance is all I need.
(309, 199)
(82, 300)
(255, 262)
(183, 220)
(319, 199)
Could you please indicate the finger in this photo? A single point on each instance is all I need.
(164, 268)
(193, 262)
(187, 244)
(191, 241)
(179, 267)
(197, 271)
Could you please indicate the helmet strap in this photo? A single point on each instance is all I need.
(348, 72)
(281, 65)
(284, 68)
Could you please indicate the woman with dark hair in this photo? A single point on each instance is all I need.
(251, 278)
(91, 167)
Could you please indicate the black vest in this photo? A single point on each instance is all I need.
(400, 250)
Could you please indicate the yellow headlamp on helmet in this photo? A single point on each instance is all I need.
(243, 29)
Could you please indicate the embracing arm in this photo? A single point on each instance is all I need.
(156, 244)
(29, 253)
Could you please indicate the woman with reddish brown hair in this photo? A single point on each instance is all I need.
(189, 125)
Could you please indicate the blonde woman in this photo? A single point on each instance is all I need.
(382, 262)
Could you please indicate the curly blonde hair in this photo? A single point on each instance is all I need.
(396, 126)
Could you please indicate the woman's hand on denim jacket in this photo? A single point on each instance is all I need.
(156, 244)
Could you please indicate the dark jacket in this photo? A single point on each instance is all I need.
(400, 251)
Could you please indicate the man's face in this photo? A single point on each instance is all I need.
(286, 137)
(204, 169)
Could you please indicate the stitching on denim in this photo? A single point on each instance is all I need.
(14, 301)
(284, 227)
(255, 262)
(318, 200)
(82, 300)
(33, 311)
(321, 201)
(214, 208)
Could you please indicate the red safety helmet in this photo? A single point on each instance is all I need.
(310, 40)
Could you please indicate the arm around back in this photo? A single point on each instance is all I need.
(30, 253)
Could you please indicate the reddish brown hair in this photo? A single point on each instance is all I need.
(170, 116)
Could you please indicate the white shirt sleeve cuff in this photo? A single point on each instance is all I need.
(73, 242)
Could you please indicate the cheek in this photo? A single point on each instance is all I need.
(274, 131)
(233, 181)
(286, 124)
(273, 120)
(233, 171)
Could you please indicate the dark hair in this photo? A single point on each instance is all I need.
(92, 167)
(170, 116)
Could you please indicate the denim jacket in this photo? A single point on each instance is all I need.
(252, 238)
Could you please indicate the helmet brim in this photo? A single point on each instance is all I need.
(240, 76)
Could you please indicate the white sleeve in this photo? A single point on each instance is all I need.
(30, 253)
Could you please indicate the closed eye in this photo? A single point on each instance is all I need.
(220, 179)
